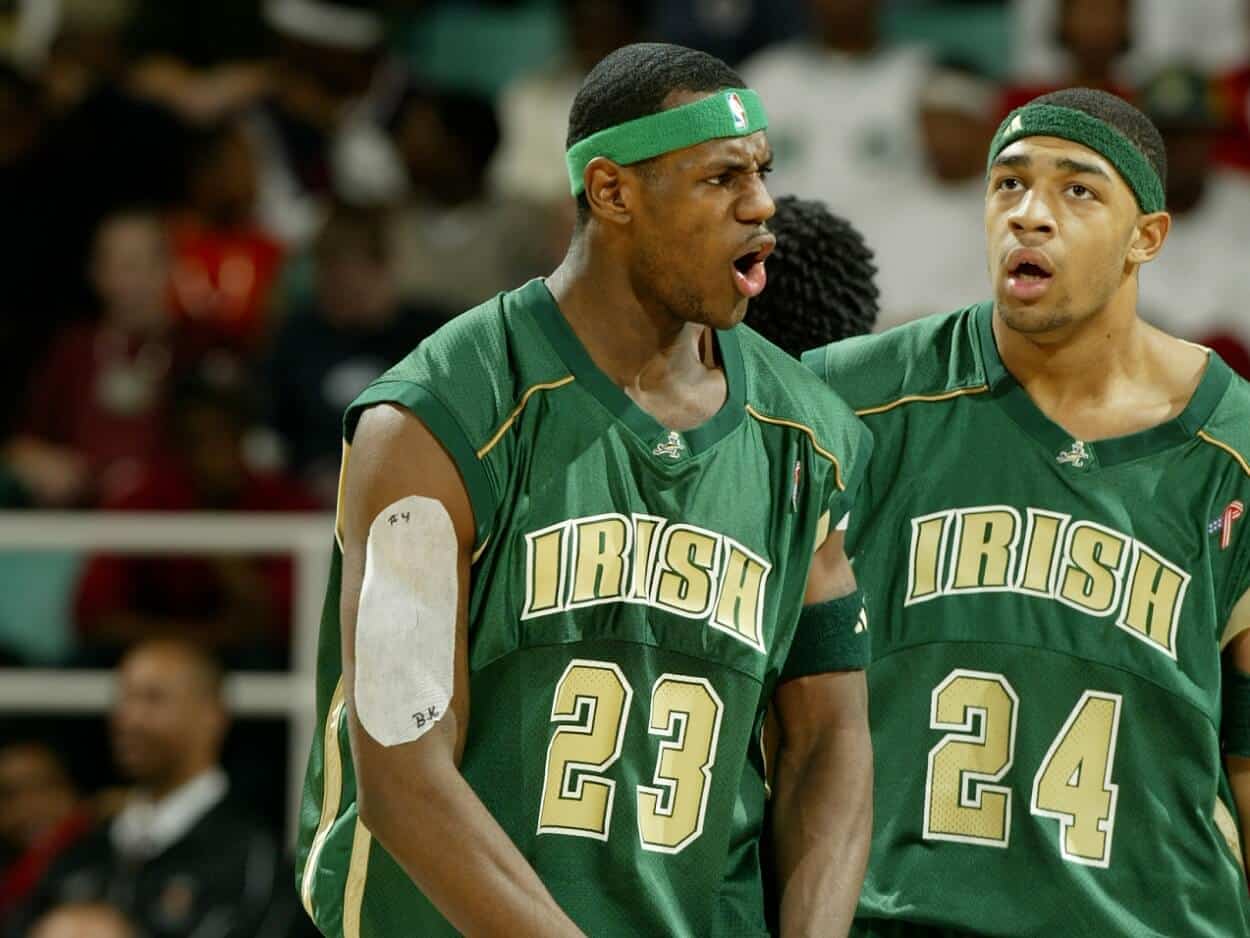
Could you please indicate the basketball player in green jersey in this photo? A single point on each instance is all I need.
(587, 533)
(1056, 569)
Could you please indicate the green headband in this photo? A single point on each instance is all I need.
(732, 112)
(1049, 120)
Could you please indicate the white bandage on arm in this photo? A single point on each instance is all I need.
(406, 623)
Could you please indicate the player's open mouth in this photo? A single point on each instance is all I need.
(748, 267)
(1028, 274)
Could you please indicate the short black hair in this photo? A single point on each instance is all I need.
(820, 280)
(1128, 120)
(633, 82)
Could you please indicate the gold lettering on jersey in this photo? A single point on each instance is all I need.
(740, 606)
(1041, 555)
(1084, 565)
(1091, 576)
(645, 546)
(928, 536)
(600, 559)
(986, 540)
(544, 570)
(679, 568)
(1156, 593)
(688, 558)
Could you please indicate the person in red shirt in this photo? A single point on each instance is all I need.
(225, 264)
(95, 406)
(40, 816)
(238, 605)
(1233, 92)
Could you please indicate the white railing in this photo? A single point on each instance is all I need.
(287, 694)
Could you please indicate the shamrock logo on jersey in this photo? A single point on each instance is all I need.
(1075, 455)
(672, 448)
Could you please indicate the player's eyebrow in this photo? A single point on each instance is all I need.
(738, 164)
(1014, 160)
(1076, 166)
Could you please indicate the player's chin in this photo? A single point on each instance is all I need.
(726, 314)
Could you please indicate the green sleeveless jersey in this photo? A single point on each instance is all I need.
(634, 595)
(1048, 616)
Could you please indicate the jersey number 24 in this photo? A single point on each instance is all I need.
(1072, 785)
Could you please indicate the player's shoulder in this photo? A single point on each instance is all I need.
(473, 369)
(781, 392)
(782, 387)
(922, 359)
(1229, 422)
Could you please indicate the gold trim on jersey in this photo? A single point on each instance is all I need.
(1228, 827)
(481, 550)
(516, 412)
(1238, 620)
(811, 435)
(357, 874)
(331, 793)
(1219, 444)
(922, 398)
(338, 501)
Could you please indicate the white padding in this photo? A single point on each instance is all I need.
(406, 626)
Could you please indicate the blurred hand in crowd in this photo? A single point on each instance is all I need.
(83, 920)
(54, 476)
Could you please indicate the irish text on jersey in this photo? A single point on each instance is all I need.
(1087, 566)
(678, 568)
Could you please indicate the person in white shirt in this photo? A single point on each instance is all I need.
(841, 117)
(928, 237)
(178, 858)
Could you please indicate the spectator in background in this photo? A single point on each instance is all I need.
(731, 30)
(105, 146)
(179, 858)
(40, 817)
(955, 111)
(84, 920)
(28, 250)
(820, 280)
(225, 264)
(455, 244)
(1196, 288)
(319, 131)
(1093, 37)
(840, 109)
(327, 351)
(96, 404)
(1233, 147)
(239, 605)
(534, 109)
(203, 59)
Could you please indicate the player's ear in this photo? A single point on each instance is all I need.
(607, 191)
(1149, 235)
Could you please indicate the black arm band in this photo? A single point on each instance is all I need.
(831, 636)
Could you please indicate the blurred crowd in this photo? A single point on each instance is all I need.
(225, 217)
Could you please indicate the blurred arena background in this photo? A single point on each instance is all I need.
(222, 218)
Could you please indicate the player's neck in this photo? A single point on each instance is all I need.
(637, 347)
(1110, 375)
